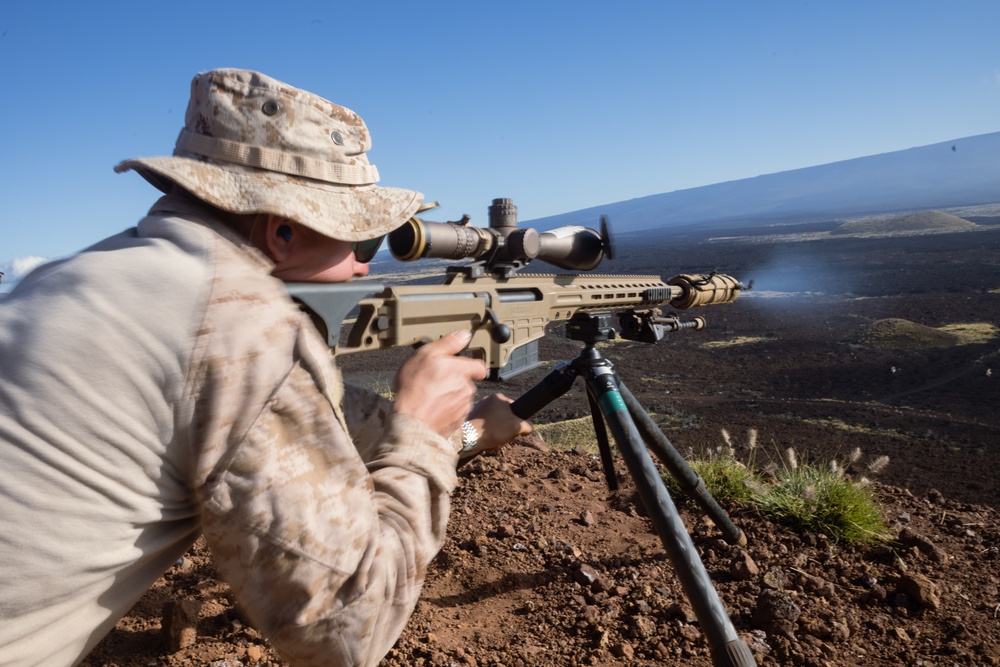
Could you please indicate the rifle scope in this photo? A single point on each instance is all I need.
(573, 248)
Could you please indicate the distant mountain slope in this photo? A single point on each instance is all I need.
(948, 174)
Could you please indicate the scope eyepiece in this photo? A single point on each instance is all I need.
(445, 240)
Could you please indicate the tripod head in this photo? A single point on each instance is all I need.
(646, 326)
(590, 328)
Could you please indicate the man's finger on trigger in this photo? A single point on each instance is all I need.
(448, 344)
(456, 341)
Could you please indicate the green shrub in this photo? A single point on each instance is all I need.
(826, 500)
(725, 478)
(809, 497)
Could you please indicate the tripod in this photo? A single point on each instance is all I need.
(612, 403)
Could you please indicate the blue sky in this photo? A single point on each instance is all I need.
(558, 105)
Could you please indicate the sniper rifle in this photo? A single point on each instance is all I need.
(506, 309)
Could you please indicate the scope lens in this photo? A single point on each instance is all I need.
(364, 251)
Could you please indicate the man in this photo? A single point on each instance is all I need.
(161, 384)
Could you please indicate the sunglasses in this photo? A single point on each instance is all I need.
(364, 251)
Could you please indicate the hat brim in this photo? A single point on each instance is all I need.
(345, 212)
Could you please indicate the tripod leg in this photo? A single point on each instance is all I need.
(602, 443)
(551, 387)
(726, 647)
(690, 482)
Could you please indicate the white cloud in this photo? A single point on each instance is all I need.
(21, 266)
(17, 268)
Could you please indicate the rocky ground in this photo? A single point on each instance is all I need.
(544, 566)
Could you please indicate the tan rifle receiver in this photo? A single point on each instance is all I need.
(507, 315)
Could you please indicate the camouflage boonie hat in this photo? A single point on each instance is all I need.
(252, 144)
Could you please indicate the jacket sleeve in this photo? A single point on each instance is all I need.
(367, 416)
(326, 551)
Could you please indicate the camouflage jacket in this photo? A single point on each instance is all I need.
(161, 385)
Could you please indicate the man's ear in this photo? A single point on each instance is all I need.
(278, 236)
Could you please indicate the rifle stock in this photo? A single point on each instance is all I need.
(506, 314)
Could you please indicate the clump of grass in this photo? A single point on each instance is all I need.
(822, 498)
(724, 476)
(827, 500)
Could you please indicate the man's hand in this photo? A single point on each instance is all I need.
(438, 387)
(496, 424)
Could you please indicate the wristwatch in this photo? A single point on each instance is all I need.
(470, 438)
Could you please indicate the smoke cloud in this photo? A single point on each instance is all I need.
(792, 275)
